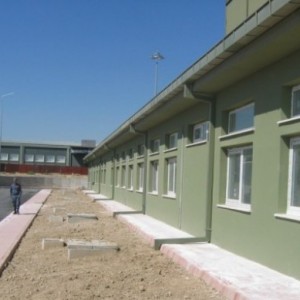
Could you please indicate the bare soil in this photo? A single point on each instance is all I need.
(135, 272)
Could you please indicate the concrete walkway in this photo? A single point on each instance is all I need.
(235, 277)
(14, 227)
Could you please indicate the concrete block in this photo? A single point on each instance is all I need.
(74, 218)
(52, 242)
(78, 248)
(59, 210)
(56, 219)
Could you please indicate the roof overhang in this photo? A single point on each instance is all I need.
(264, 38)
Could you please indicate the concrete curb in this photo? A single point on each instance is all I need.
(14, 227)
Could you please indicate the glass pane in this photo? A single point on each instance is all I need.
(242, 118)
(234, 176)
(295, 199)
(296, 103)
(247, 175)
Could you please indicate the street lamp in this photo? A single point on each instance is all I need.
(1, 120)
(156, 57)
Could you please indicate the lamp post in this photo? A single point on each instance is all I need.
(156, 57)
(1, 120)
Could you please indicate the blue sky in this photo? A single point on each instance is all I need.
(80, 68)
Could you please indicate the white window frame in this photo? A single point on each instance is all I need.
(50, 159)
(154, 177)
(294, 90)
(203, 128)
(171, 176)
(292, 210)
(29, 158)
(235, 112)
(238, 202)
(117, 179)
(140, 178)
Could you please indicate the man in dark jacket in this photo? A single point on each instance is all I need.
(15, 194)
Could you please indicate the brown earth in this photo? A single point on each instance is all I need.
(135, 272)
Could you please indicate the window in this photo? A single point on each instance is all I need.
(140, 178)
(14, 157)
(123, 176)
(117, 182)
(61, 159)
(4, 156)
(172, 140)
(50, 158)
(39, 158)
(130, 177)
(29, 157)
(130, 153)
(296, 101)
(294, 177)
(141, 150)
(171, 177)
(241, 118)
(200, 132)
(154, 177)
(239, 174)
(155, 145)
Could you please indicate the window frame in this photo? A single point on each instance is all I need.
(239, 202)
(291, 209)
(172, 136)
(294, 89)
(204, 129)
(171, 176)
(140, 177)
(154, 177)
(155, 145)
(234, 112)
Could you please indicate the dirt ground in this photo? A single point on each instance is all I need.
(135, 272)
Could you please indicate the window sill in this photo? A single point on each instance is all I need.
(196, 144)
(153, 193)
(170, 150)
(169, 196)
(130, 190)
(242, 209)
(153, 153)
(288, 121)
(288, 217)
(237, 133)
(139, 191)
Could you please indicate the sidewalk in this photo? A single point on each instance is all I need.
(14, 227)
(235, 277)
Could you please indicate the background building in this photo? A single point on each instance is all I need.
(44, 157)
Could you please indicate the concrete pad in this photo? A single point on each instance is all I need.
(234, 276)
(79, 248)
(52, 243)
(97, 197)
(151, 229)
(75, 218)
(115, 207)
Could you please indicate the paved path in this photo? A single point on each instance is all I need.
(233, 276)
(13, 227)
(5, 201)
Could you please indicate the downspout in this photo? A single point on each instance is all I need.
(209, 100)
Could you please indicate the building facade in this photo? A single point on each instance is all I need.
(217, 152)
(44, 157)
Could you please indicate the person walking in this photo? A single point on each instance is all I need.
(15, 194)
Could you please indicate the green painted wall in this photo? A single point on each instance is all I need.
(260, 235)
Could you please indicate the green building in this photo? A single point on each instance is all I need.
(217, 152)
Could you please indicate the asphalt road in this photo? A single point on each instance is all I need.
(5, 201)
